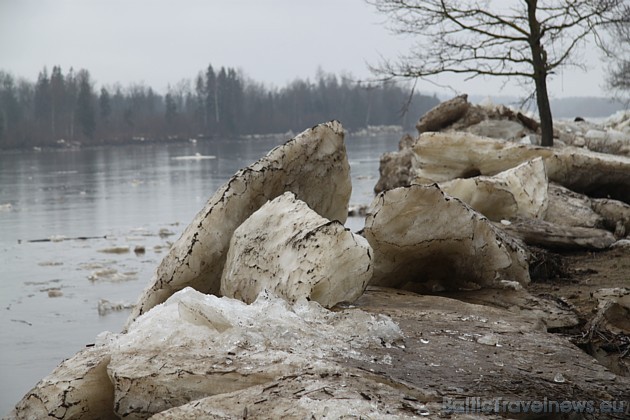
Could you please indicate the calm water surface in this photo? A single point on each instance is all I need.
(136, 195)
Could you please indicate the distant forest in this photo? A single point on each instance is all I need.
(60, 109)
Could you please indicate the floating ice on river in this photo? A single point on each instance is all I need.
(196, 156)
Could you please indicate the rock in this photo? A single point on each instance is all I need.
(443, 115)
(440, 157)
(303, 256)
(313, 165)
(517, 192)
(425, 240)
(78, 388)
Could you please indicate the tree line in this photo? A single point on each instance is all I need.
(61, 108)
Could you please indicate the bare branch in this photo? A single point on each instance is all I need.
(514, 39)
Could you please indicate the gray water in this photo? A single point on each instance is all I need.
(135, 195)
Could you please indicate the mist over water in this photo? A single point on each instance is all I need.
(120, 198)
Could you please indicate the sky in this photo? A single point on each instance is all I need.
(159, 42)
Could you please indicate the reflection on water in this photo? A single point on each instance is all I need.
(57, 294)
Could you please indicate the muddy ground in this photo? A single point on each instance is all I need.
(575, 283)
(583, 273)
(457, 349)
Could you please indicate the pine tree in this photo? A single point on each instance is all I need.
(57, 93)
(85, 105)
(171, 110)
(105, 106)
(211, 101)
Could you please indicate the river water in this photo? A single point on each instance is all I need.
(120, 197)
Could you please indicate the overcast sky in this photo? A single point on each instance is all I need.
(273, 41)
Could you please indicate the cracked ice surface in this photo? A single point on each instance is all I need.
(304, 256)
(313, 165)
(426, 240)
(195, 345)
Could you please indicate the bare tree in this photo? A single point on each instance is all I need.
(618, 51)
(527, 39)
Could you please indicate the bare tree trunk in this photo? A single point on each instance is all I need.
(544, 109)
(539, 61)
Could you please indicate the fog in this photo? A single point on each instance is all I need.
(159, 42)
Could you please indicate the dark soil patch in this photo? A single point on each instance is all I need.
(575, 279)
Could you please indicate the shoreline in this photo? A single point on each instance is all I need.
(62, 146)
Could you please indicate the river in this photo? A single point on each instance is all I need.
(121, 198)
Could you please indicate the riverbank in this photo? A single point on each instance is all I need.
(480, 329)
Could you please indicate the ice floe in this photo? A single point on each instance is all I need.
(105, 306)
(196, 156)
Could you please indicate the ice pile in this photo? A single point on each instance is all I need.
(298, 333)
(304, 256)
(195, 346)
(272, 236)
